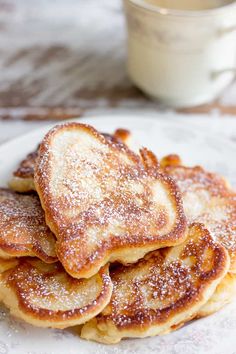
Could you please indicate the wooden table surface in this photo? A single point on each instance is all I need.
(59, 59)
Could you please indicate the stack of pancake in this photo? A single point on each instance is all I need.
(115, 243)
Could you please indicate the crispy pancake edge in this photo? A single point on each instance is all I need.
(12, 297)
(223, 295)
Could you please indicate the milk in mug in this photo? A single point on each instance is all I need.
(181, 52)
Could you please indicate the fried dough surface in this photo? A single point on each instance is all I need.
(208, 198)
(46, 296)
(23, 177)
(23, 231)
(101, 202)
(223, 295)
(161, 292)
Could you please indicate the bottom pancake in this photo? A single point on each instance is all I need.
(223, 295)
(162, 291)
(46, 296)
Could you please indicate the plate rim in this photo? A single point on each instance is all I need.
(150, 117)
(159, 120)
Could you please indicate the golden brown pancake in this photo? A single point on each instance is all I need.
(23, 177)
(208, 199)
(162, 291)
(102, 202)
(223, 295)
(23, 231)
(46, 296)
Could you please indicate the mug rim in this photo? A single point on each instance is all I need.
(182, 13)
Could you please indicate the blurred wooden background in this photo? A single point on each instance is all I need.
(61, 58)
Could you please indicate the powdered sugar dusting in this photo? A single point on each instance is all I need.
(208, 199)
(164, 283)
(100, 197)
(51, 294)
(23, 230)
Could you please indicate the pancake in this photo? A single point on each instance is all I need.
(23, 177)
(224, 294)
(208, 199)
(23, 231)
(162, 291)
(102, 202)
(120, 136)
(123, 136)
(46, 296)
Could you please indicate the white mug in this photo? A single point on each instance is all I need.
(183, 56)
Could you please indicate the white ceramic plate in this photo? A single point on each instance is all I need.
(212, 335)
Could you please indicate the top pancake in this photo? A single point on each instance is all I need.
(207, 198)
(23, 231)
(162, 291)
(101, 202)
